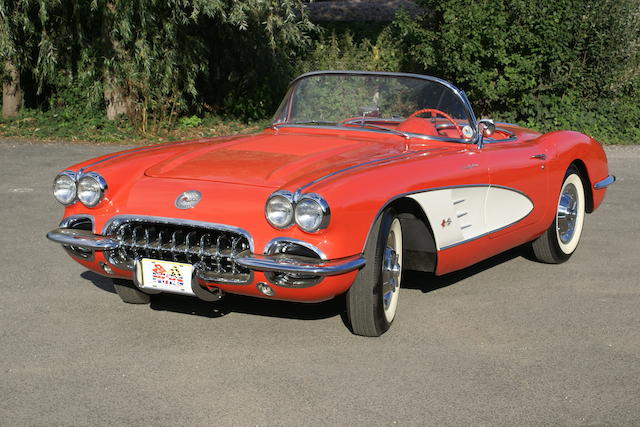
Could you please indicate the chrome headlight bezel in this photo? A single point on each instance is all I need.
(100, 186)
(67, 175)
(287, 199)
(315, 201)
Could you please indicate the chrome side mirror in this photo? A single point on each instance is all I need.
(486, 127)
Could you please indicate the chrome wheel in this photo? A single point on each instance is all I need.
(567, 213)
(392, 270)
(570, 214)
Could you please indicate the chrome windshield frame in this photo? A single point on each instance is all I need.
(473, 121)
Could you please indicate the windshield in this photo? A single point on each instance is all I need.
(403, 104)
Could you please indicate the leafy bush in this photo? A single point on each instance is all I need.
(551, 62)
(343, 52)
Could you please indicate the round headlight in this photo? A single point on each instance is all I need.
(312, 213)
(64, 187)
(279, 209)
(91, 189)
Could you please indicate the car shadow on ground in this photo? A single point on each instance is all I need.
(425, 282)
(428, 282)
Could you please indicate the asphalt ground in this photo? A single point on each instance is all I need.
(507, 342)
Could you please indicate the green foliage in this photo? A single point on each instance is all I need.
(189, 122)
(343, 52)
(158, 59)
(545, 63)
(557, 63)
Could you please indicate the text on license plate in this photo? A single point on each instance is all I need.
(166, 276)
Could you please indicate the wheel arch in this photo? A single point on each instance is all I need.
(586, 182)
(419, 247)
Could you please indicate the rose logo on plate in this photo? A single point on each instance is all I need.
(188, 199)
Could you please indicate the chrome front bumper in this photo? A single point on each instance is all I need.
(266, 263)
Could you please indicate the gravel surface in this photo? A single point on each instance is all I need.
(507, 342)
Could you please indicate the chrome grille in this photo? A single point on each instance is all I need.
(212, 251)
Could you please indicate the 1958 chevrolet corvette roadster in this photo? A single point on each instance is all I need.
(361, 176)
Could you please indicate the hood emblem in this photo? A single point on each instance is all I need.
(188, 199)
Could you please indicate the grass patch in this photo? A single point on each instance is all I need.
(62, 126)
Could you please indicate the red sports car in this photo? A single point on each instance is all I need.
(361, 176)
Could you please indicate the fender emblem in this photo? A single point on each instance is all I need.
(188, 199)
(446, 222)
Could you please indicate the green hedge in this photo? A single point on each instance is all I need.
(546, 63)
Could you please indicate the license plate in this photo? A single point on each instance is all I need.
(166, 276)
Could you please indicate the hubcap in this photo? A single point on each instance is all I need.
(392, 270)
(390, 275)
(567, 213)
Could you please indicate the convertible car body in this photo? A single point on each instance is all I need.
(360, 176)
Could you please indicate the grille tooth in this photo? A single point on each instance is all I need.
(211, 251)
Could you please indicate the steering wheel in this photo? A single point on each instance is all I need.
(433, 112)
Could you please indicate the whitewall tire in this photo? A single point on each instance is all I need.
(372, 300)
(561, 239)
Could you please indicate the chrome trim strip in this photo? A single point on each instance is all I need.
(365, 129)
(604, 183)
(370, 162)
(484, 234)
(121, 219)
(268, 248)
(327, 268)
(82, 239)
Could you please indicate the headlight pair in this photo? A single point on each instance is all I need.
(309, 211)
(89, 188)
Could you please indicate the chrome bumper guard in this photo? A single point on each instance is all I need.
(88, 240)
(82, 239)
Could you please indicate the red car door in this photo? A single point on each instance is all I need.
(518, 167)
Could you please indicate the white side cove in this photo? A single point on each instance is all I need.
(459, 214)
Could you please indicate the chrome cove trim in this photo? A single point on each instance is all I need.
(401, 195)
(325, 268)
(604, 183)
(273, 244)
(121, 219)
(82, 239)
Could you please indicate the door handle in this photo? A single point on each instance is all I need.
(539, 156)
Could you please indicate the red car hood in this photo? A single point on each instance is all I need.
(269, 160)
